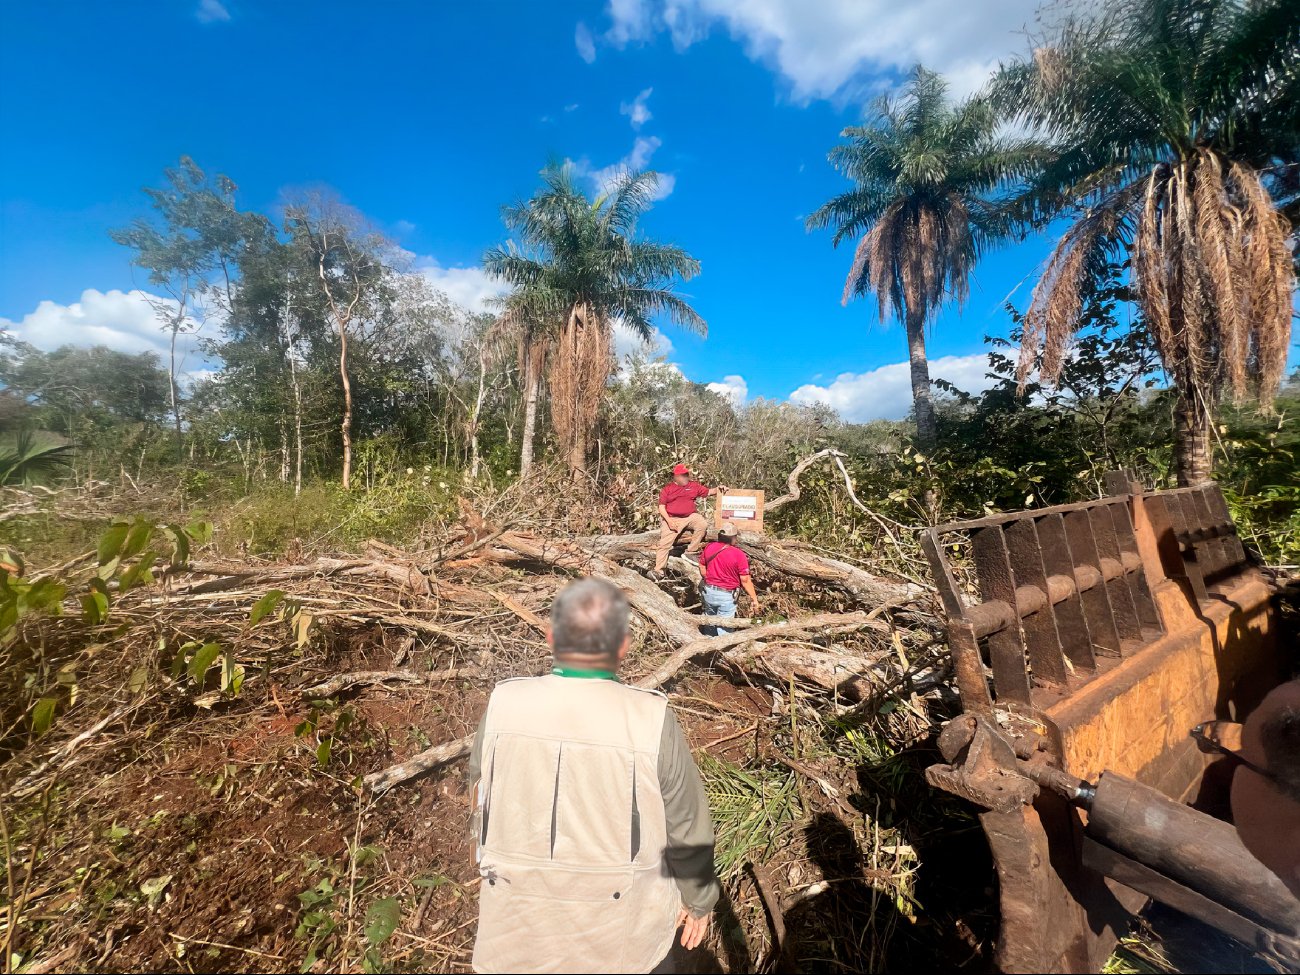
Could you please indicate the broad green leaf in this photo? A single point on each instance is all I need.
(232, 674)
(323, 751)
(45, 595)
(139, 573)
(139, 680)
(180, 544)
(264, 605)
(43, 715)
(382, 920)
(178, 662)
(202, 660)
(200, 532)
(94, 607)
(110, 543)
(137, 538)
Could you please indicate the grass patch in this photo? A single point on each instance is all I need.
(1135, 955)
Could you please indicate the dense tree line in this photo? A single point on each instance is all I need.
(1165, 133)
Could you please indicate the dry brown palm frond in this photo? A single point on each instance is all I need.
(1050, 65)
(881, 270)
(1149, 269)
(1212, 224)
(1270, 279)
(859, 267)
(579, 372)
(1055, 304)
(1196, 351)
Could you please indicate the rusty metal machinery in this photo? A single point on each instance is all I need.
(1087, 640)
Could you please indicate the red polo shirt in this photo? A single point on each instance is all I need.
(724, 564)
(679, 499)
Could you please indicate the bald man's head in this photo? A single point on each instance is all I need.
(589, 620)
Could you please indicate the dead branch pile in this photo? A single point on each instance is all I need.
(427, 633)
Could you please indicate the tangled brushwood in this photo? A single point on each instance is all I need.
(252, 765)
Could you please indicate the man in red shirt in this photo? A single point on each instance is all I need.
(726, 569)
(677, 514)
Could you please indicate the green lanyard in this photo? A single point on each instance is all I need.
(584, 674)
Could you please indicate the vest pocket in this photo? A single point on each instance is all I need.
(544, 918)
(568, 884)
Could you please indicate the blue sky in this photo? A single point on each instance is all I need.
(429, 116)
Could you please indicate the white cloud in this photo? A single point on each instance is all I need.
(630, 20)
(841, 47)
(571, 107)
(123, 320)
(120, 320)
(584, 42)
(886, 392)
(470, 287)
(733, 388)
(637, 110)
(638, 158)
(212, 12)
(627, 342)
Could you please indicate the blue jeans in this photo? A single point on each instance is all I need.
(718, 602)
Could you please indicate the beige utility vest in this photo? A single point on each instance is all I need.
(572, 834)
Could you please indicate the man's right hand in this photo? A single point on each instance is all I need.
(693, 929)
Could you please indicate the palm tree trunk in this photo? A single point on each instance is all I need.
(578, 453)
(923, 406)
(531, 383)
(1192, 454)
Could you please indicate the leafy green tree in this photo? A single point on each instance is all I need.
(1162, 113)
(580, 266)
(190, 251)
(930, 180)
(79, 392)
(350, 269)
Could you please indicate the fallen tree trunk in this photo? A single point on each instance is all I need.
(368, 678)
(235, 577)
(826, 622)
(650, 601)
(440, 755)
(853, 678)
(865, 588)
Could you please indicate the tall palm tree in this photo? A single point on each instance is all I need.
(579, 267)
(1166, 116)
(930, 180)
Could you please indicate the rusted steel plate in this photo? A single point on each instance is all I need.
(1096, 600)
(1006, 646)
(1071, 625)
(1148, 618)
(1166, 517)
(1042, 641)
(1108, 551)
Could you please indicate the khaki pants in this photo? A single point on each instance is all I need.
(669, 532)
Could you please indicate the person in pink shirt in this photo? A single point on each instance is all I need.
(678, 516)
(726, 570)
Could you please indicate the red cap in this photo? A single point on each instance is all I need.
(681, 469)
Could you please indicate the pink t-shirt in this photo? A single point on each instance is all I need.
(723, 565)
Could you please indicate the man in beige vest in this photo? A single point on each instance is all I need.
(594, 837)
